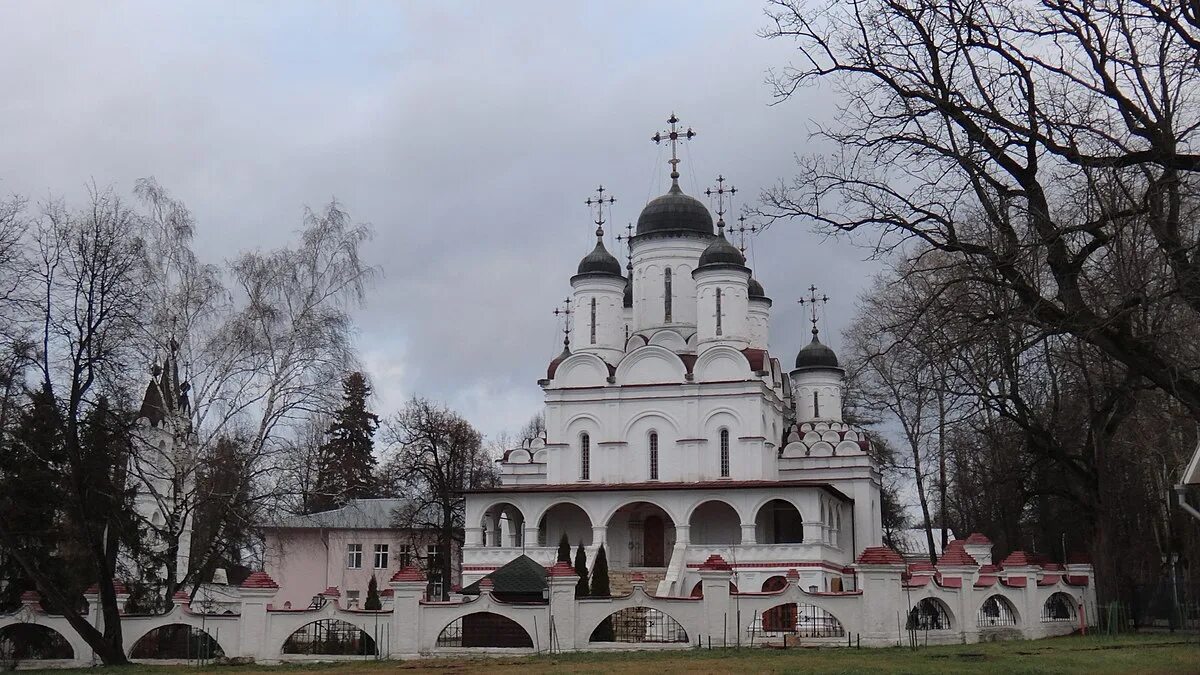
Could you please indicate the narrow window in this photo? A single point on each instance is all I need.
(718, 311)
(724, 453)
(816, 405)
(354, 556)
(593, 321)
(667, 294)
(585, 460)
(653, 456)
(405, 551)
(381, 556)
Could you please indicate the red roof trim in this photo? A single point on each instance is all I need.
(985, 581)
(1049, 580)
(409, 573)
(658, 485)
(1014, 582)
(259, 580)
(879, 555)
(1076, 580)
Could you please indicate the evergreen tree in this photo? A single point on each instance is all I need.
(373, 602)
(564, 549)
(600, 589)
(581, 588)
(346, 463)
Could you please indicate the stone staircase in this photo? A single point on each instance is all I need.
(620, 582)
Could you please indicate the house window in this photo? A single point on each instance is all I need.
(593, 321)
(405, 552)
(585, 457)
(352, 599)
(724, 453)
(653, 456)
(718, 311)
(354, 556)
(667, 295)
(381, 556)
(816, 405)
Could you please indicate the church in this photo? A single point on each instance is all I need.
(672, 432)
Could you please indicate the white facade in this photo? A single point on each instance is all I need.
(681, 441)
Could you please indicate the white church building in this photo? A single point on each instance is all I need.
(673, 434)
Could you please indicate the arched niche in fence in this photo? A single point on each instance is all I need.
(996, 611)
(799, 619)
(176, 641)
(330, 637)
(33, 642)
(929, 614)
(484, 629)
(639, 625)
(698, 589)
(1058, 607)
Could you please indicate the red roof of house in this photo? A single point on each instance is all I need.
(716, 562)
(978, 539)
(409, 573)
(880, 555)
(1017, 559)
(259, 579)
(561, 569)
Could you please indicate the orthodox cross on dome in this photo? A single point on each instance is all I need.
(627, 238)
(599, 202)
(674, 136)
(720, 191)
(812, 301)
(742, 228)
(564, 312)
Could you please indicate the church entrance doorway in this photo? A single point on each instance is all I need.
(652, 536)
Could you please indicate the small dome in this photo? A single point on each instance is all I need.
(816, 355)
(628, 300)
(675, 212)
(756, 289)
(721, 252)
(599, 261)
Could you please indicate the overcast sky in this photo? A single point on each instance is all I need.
(467, 134)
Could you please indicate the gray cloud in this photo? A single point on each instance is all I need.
(468, 135)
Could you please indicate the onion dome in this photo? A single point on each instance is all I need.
(675, 212)
(756, 289)
(628, 299)
(599, 261)
(721, 252)
(816, 355)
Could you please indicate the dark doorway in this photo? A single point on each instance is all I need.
(652, 542)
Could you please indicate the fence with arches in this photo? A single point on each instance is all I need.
(893, 603)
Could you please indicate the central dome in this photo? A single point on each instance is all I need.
(675, 212)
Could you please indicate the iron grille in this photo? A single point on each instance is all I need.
(1058, 607)
(639, 625)
(799, 619)
(928, 614)
(484, 629)
(330, 637)
(996, 611)
(176, 641)
(29, 642)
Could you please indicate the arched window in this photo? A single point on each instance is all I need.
(585, 459)
(816, 405)
(718, 311)
(653, 455)
(667, 295)
(593, 321)
(724, 453)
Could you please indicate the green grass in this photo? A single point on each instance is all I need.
(1091, 655)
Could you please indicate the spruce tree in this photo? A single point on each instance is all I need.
(346, 464)
(581, 588)
(564, 549)
(373, 602)
(600, 589)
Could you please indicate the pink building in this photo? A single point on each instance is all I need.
(343, 549)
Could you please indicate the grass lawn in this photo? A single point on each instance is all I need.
(1129, 654)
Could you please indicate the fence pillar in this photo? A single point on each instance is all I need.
(883, 610)
(720, 623)
(561, 581)
(408, 589)
(256, 591)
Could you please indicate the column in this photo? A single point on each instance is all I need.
(749, 534)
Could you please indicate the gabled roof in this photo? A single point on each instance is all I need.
(359, 514)
(521, 575)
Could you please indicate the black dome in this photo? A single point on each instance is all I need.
(816, 355)
(756, 289)
(721, 252)
(675, 212)
(628, 300)
(599, 261)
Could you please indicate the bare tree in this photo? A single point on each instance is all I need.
(437, 455)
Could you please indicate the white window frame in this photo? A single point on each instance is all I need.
(723, 442)
(354, 556)
(382, 555)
